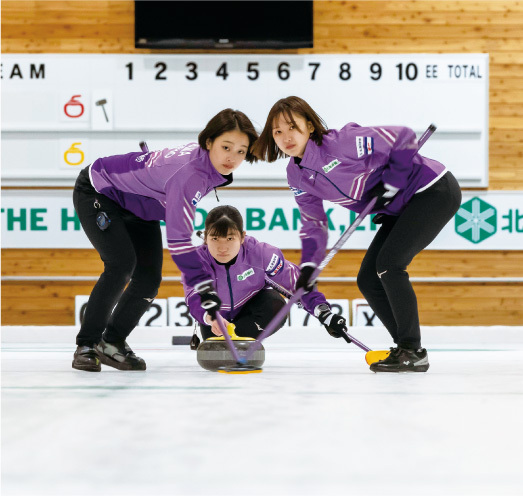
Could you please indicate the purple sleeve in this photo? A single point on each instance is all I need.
(314, 231)
(312, 300)
(402, 147)
(179, 219)
(282, 275)
(192, 298)
(279, 273)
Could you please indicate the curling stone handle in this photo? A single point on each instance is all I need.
(231, 330)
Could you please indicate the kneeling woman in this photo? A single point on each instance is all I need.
(247, 276)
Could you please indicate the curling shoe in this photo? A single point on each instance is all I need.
(86, 358)
(119, 355)
(403, 360)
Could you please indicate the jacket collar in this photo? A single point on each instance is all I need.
(216, 179)
(308, 159)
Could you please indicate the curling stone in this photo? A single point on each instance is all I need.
(214, 353)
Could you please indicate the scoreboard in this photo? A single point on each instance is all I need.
(61, 112)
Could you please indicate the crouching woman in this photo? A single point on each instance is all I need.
(248, 277)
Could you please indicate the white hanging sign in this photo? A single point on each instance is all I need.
(490, 220)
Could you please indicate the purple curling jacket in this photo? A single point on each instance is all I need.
(348, 164)
(163, 185)
(258, 266)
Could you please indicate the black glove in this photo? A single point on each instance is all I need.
(384, 193)
(379, 218)
(335, 324)
(209, 298)
(304, 279)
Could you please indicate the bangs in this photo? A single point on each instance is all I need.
(222, 227)
(286, 112)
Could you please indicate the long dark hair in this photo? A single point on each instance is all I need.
(229, 120)
(220, 220)
(265, 147)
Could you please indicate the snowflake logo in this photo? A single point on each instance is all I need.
(476, 220)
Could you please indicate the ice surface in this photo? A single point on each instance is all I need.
(315, 422)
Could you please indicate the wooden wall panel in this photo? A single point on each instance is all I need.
(385, 26)
(52, 303)
(429, 263)
(440, 303)
(354, 26)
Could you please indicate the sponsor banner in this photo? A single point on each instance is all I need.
(485, 221)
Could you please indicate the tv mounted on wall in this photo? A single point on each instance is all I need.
(223, 24)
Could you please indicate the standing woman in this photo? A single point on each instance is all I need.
(416, 197)
(248, 275)
(120, 200)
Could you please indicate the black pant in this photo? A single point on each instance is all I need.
(131, 249)
(254, 315)
(383, 278)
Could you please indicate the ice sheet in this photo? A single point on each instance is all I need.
(315, 422)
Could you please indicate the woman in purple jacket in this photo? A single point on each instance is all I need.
(247, 275)
(120, 201)
(416, 197)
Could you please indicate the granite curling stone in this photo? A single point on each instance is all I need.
(214, 353)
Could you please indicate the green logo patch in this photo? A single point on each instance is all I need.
(327, 168)
(245, 275)
(476, 220)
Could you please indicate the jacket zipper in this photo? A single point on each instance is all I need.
(325, 177)
(230, 288)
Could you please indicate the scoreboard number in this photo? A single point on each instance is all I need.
(404, 71)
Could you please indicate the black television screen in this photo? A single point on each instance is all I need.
(223, 24)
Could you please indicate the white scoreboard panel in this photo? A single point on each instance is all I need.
(61, 112)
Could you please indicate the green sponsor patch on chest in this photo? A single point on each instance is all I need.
(327, 168)
(245, 275)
